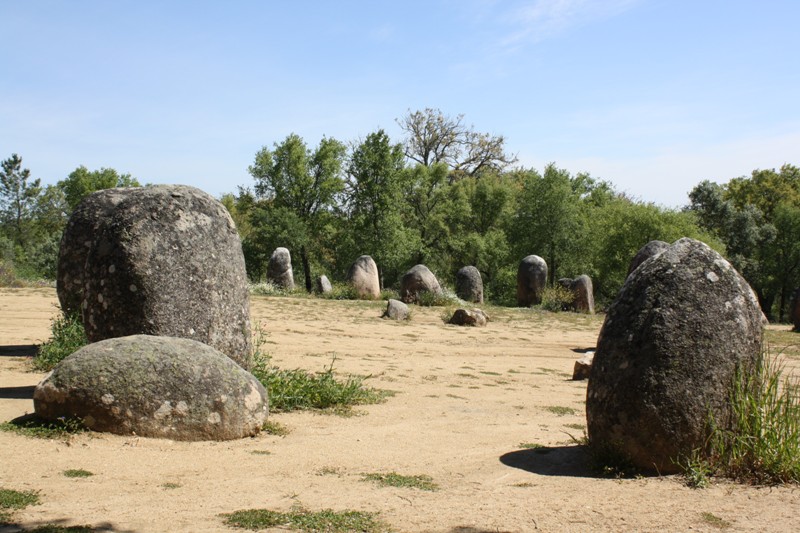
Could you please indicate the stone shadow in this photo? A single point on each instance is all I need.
(568, 461)
(17, 393)
(19, 350)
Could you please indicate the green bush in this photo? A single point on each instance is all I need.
(67, 336)
(443, 299)
(556, 298)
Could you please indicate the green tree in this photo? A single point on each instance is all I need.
(375, 204)
(18, 198)
(81, 182)
(547, 219)
(298, 187)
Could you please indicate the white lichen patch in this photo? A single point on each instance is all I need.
(164, 411)
(214, 418)
(107, 399)
(712, 277)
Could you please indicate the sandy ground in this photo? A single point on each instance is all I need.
(466, 399)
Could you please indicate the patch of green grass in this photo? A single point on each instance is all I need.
(488, 373)
(575, 426)
(18, 499)
(275, 428)
(291, 390)
(560, 410)
(33, 426)
(327, 520)
(762, 442)
(713, 520)
(523, 485)
(78, 472)
(261, 452)
(537, 448)
(67, 336)
(14, 500)
(393, 479)
(329, 471)
(171, 485)
(783, 341)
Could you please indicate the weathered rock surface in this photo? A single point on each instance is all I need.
(469, 284)
(651, 249)
(363, 276)
(396, 310)
(84, 223)
(531, 280)
(582, 367)
(279, 269)
(168, 261)
(469, 317)
(417, 280)
(582, 294)
(162, 387)
(667, 354)
(794, 309)
(324, 285)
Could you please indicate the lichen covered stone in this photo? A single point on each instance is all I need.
(162, 387)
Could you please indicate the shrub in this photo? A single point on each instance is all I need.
(446, 298)
(556, 298)
(67, 336)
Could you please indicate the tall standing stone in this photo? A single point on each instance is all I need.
(417, 280)
(667, 354)
(279, 269)
(582, 294)
(469, 284)
(168, 261)
(651, 249)
(531, 280)
(363, 276)
(84, 223)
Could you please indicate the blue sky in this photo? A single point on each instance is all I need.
(652, 95)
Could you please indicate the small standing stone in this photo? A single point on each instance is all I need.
(363, 276)
(396, 310)
(469, 317)
(323, 285)
(469, 284)
(279, 269)
(531, 280)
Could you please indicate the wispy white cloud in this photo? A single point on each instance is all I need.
(537, 20)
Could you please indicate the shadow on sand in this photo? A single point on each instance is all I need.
(51, 525)
(17, 393)
(19, 350)
(570, 461)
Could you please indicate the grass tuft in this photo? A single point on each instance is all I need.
(291, 390)
(33, 426)
(393, 479)
(762, 442)
(560, 410)
(67, 336)
(326, 520)
(78, 472)
(14, 500)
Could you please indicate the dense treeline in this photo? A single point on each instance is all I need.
(446, 196)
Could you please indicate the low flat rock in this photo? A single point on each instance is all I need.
(163, 387)
(469, 317)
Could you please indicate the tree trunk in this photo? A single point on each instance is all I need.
(306, 269)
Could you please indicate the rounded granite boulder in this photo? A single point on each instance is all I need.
(162, 387)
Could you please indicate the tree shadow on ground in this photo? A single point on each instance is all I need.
(17, 393)
(584, 350)
(19, 350)
(470, 529)
(58, 526)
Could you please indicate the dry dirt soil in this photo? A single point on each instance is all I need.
(467, 401)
